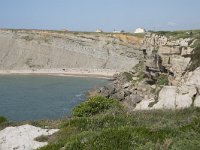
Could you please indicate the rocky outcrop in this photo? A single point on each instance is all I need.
(171, 58)
(35, 49)
(173, 54)
(162, 80)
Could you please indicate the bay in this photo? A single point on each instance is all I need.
(35, 97)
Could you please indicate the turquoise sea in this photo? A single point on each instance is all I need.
(35, 97)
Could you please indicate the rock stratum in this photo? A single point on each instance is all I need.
(167, 77)
(36, 50)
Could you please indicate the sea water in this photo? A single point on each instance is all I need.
(34, 97)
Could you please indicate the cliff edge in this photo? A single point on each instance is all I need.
(37, 49)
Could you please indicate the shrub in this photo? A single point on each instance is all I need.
(141, 130)
(2, 119)
(128, 76)
(94, 106)
(42, 138)
(162, 80)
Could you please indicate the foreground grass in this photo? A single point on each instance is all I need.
(115, 128)
(123, 130)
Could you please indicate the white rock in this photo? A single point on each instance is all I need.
(135, 78)
(179, 64)
(186, 51)
(22, 137)
(194, 79)
(153, 86)
(166, 50)
(183, 101)
(144, 105)
(183, 42)
(126, 85)
(197, 101)
(167, 98)
(190, 90)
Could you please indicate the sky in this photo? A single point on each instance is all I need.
(88, 15)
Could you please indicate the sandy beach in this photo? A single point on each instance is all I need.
(97, 73)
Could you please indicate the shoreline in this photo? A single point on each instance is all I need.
(95, 73)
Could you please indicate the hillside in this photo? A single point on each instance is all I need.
(37, 49)
(169, 68)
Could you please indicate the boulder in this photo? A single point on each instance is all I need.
(189, 90)
(186, 51)
(167, 98)
(132, 100)
(183, 101)
(144, 105)
(111, 88)
(166, 50)
(179, 64)
(194, 79)
(126, 85)
(127, 92)
(197, 101)
(93, 92)
(119, 95)
(105, 92)
(184, 42)
(135, 78)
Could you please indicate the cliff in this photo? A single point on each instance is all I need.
(167, 77)
(158, 71)
(36, 49)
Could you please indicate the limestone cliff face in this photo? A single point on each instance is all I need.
(162, 80)
(174, 55)
(35, 49)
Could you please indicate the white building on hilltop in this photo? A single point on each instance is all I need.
(140, 30)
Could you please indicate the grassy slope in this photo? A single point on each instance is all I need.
(124, 130)
(174, 35)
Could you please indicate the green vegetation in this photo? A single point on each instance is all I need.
(141, 35)
(139, 68)
(94, 106)
(42, 138)
(2, 119)
(3, 122)
(162, 80)
(140, 76)
(121, 129)
(174, 35)
(124, 130)
(128, 76)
